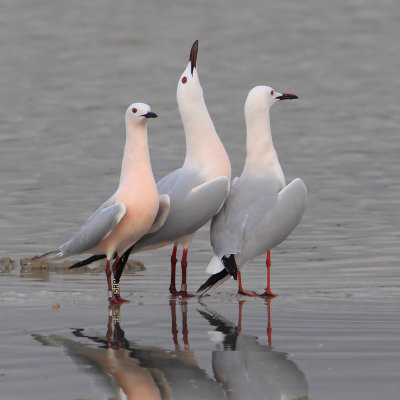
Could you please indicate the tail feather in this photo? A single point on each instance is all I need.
(215, 266)
(87, 261)
(213, 282)
(230, 265)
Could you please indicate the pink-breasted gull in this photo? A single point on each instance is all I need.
(260, 210)
(131, 211)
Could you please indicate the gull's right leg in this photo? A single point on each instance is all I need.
(241, 290)
(172, 287)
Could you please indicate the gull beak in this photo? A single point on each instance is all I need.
(193, 55)
(287, 96)
(150, 115)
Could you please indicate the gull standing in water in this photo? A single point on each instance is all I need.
(130, 212)
(260, 210)
(199, 188)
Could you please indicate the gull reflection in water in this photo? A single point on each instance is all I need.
(247, 369)
(125, 370)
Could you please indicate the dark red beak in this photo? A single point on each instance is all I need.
(193, 55)
(287, 96)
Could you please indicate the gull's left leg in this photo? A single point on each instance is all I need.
(183, 291)
(185, 242)
(172, 288)
(241, 290)
(108, 275)
(268, 288)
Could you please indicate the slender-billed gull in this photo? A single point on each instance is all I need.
(131, 211)
(260, 210)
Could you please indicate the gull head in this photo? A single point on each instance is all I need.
(262, 98)
(138, 114)
(189, 84)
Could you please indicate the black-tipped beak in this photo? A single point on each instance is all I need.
(193, 55)
(287, 96)
(150, 115)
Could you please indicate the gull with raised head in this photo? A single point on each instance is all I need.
(260, 210)
(131, 211)
(199, 188)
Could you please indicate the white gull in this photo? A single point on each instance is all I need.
(260, 210)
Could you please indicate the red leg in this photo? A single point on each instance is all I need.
(241, 290)
(183, 291)
(117, 299)
(108, 275)
(114, 267)
(172, 287)
(268, 288)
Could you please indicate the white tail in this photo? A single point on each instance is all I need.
(215, 266)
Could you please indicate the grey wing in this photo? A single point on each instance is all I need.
(165, 184)
(106, 204)
(245, 205)
(95, 229)
(277, 224)
(162, 214)
(189, 213)
(202, 203)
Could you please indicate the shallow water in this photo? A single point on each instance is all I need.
(68, 71)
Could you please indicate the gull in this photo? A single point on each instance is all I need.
(260, 210)
(130, 212)
(199, 188)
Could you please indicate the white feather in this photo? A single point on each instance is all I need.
(215, 266)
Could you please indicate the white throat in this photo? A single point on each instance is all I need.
(261, 155)
(204, 149)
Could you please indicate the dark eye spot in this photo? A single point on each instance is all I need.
(134, 110)
(272, 92)
(184, 79)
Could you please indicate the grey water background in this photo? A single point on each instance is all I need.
(68, 70)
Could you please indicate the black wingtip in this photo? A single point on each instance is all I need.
(230, 265)
(87, 261)
(212, 280)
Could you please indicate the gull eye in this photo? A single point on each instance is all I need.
(184, 79)
(134, 110)
(272, 92)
